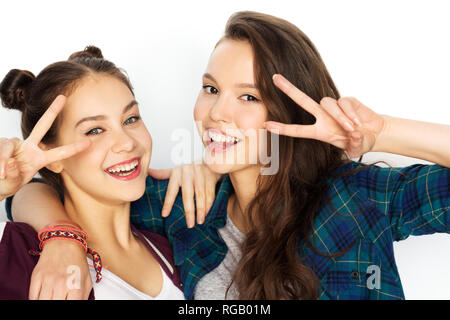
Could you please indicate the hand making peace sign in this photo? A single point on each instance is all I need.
(20, 160)
(345, 123)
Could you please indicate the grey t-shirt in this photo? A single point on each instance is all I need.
(213, 285)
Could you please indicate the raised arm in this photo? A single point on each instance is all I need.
(350, 125)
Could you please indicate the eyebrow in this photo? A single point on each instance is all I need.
(239, 85)
(103, 117)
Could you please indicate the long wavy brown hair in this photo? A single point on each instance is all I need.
(283, 209)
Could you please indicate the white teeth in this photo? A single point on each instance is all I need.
(123, 168)
(222, 138)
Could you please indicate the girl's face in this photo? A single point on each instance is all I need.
(229, 111)
(114, 168)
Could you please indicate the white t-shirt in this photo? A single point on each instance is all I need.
(112, 287)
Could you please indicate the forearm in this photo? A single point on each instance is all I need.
(416, 139)
(37, 204)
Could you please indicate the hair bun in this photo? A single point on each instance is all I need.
(14, 87)
(88, 52)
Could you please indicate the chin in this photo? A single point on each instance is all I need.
(220, 168)
(132, 195)
(226, 168)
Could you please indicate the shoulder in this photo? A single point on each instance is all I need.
(154, 193)
(155, 188)
(350, 236)
(145, 212)
(14, 233)
(347, 214)
(16, 264)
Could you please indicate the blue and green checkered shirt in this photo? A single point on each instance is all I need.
(392, 206)
(372, 208)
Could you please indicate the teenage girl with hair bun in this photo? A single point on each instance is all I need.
(97, 176)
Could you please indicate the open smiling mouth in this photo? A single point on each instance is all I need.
(126, 170)
(218, 142)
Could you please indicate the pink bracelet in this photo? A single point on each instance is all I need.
(43, 233)
(68, 233)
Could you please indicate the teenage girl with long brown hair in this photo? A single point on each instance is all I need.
(322, 226)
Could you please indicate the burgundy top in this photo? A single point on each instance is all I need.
(16, 264)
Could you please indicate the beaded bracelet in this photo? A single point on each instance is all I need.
(69, 233)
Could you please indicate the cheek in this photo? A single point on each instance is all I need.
(142, 139)
(87, 162)
(251, 121)
(201, 109)
(250, 118)
(145, 138)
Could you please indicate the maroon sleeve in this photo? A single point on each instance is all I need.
(16, 263)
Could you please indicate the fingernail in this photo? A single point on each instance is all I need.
(349, 126)
(357, 122)
(282, 82)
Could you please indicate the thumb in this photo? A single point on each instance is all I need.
(160, 174)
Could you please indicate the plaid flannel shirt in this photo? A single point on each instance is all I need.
(372, 208)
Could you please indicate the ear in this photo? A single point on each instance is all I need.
(57, 166)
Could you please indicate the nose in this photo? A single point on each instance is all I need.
(123, 142)
(222, 110)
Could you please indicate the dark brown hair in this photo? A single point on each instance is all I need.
(21, 90)
(283, 209)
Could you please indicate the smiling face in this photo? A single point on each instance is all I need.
(114, 168)
(229, 111)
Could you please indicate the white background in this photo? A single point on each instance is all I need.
(392, 55)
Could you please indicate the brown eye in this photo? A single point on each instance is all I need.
(210, 89)
(249, 97)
